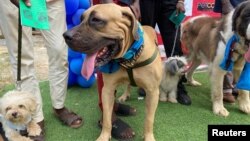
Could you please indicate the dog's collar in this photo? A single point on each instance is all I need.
(136, 46)
(129, 58)
(18, 127)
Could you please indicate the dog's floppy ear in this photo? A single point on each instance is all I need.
(128, 13)
(180, 63)
(31, 103)
(236, 14)
(172, 66)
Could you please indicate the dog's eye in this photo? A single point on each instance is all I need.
(180, 63)
(7, 109)
(21, 106)
(96, 20)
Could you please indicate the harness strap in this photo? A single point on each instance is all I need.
(131, 77)
(144, 63)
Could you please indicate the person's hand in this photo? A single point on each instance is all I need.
(180, 7)
(136, 9)
(106, 1)
(16, 2)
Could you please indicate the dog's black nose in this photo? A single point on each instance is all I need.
(14, 114)
(68, 36)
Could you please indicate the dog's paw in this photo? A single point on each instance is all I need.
(17, 137)
(149, 137)
(163, 99)
(244, 102)
(194, 83)
(172, 100)
(245, 106)
(220, 111)
(123, 98)
(103, 138)
(28, 139)
(34, 129)
(22, 138)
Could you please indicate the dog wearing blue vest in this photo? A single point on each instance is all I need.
(224, 45)
(125, 52)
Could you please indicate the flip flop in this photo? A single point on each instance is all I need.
(125, 110)
(118, 127)
(68, 117)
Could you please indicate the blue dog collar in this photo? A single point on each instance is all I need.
(136, 45)
(114, 65)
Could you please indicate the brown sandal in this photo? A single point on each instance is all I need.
(69, 118)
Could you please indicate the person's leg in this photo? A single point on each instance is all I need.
(149, 15)
(1, 138)
(168, 32)
(58, 64)
(9, 26)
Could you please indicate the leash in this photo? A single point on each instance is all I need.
(175, 39)
(19, 52)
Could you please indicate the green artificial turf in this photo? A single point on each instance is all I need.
(173, 122)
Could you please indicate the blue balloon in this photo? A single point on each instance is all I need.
(83, 56)
(69, 26)
(69, 19)
(69, 59)
(84, 4)
(76, 18)
(72, 80)
(76, 65)
(71, 6)
(86, 83)
(73, 54)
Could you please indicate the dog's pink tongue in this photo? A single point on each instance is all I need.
(88, 66)
(247, 55)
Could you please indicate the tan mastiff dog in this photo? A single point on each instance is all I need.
(106, 33)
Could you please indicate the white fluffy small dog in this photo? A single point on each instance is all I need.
(17, 109)
(174, 68)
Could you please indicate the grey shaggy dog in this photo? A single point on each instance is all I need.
(174, 69)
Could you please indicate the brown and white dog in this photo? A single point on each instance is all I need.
(199, 35)
(209, 42)
(106, 33)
